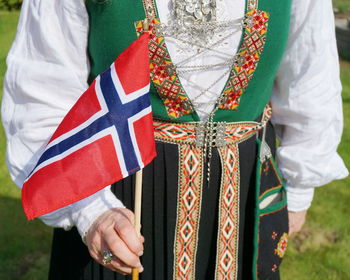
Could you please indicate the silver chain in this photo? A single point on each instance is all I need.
(207, 89)
(194, 68)
(195, 24)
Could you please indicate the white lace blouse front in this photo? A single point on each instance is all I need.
(48, 69)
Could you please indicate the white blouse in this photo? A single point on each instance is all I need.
(48, 68)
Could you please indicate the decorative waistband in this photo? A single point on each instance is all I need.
(208, 134)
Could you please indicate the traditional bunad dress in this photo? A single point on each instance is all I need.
(214, 202)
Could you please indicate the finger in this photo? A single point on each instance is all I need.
(119, 249)
(142, 239)
(128, 234)
(118, 266)
(129, 215)
(121, 267)
(115, 265)
(95, 245)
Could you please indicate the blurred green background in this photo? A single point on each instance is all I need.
(320, 251)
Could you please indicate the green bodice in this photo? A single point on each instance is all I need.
(248, 90)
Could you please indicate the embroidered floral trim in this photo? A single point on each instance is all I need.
(163, 76)
(188, 211)
(228, 230)
(282, 245)
(247, 59)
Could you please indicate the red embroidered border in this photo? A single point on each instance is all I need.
(168, 86)
(150, 8)
(188, 212)
(247, 59)
(185, 133)
(228, 230)
(252, 4)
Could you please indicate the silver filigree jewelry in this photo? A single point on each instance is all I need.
(197, 32)
(191, 12)
(195, 21)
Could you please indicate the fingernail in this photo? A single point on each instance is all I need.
(140, 269)
(140, 253)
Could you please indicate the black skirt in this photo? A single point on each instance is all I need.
(70, 258)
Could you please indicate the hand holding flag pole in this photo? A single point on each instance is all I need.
(105, 137)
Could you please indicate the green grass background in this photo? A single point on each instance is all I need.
(320, 251)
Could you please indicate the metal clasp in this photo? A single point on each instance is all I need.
(210, 134)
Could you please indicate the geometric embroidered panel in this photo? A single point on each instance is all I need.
(228, 230)
(247, 58)
(164, 79)
(188, 211)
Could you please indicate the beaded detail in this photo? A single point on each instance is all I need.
(247, 59)
(164, 76)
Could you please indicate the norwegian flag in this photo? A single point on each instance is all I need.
(106, 136)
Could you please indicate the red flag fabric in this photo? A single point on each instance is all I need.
(106, 136)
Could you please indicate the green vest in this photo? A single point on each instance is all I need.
(112, 29)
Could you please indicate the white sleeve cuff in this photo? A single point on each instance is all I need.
(85, 211)
(60, 218)
(299, 199)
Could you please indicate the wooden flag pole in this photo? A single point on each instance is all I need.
(137, 210)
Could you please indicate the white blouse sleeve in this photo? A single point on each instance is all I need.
(307, 105)
(47, 72)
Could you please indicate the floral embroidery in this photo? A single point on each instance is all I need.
(274, 235)
(163, 76)
(282, 245)
(274, 268)
(247, 59)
